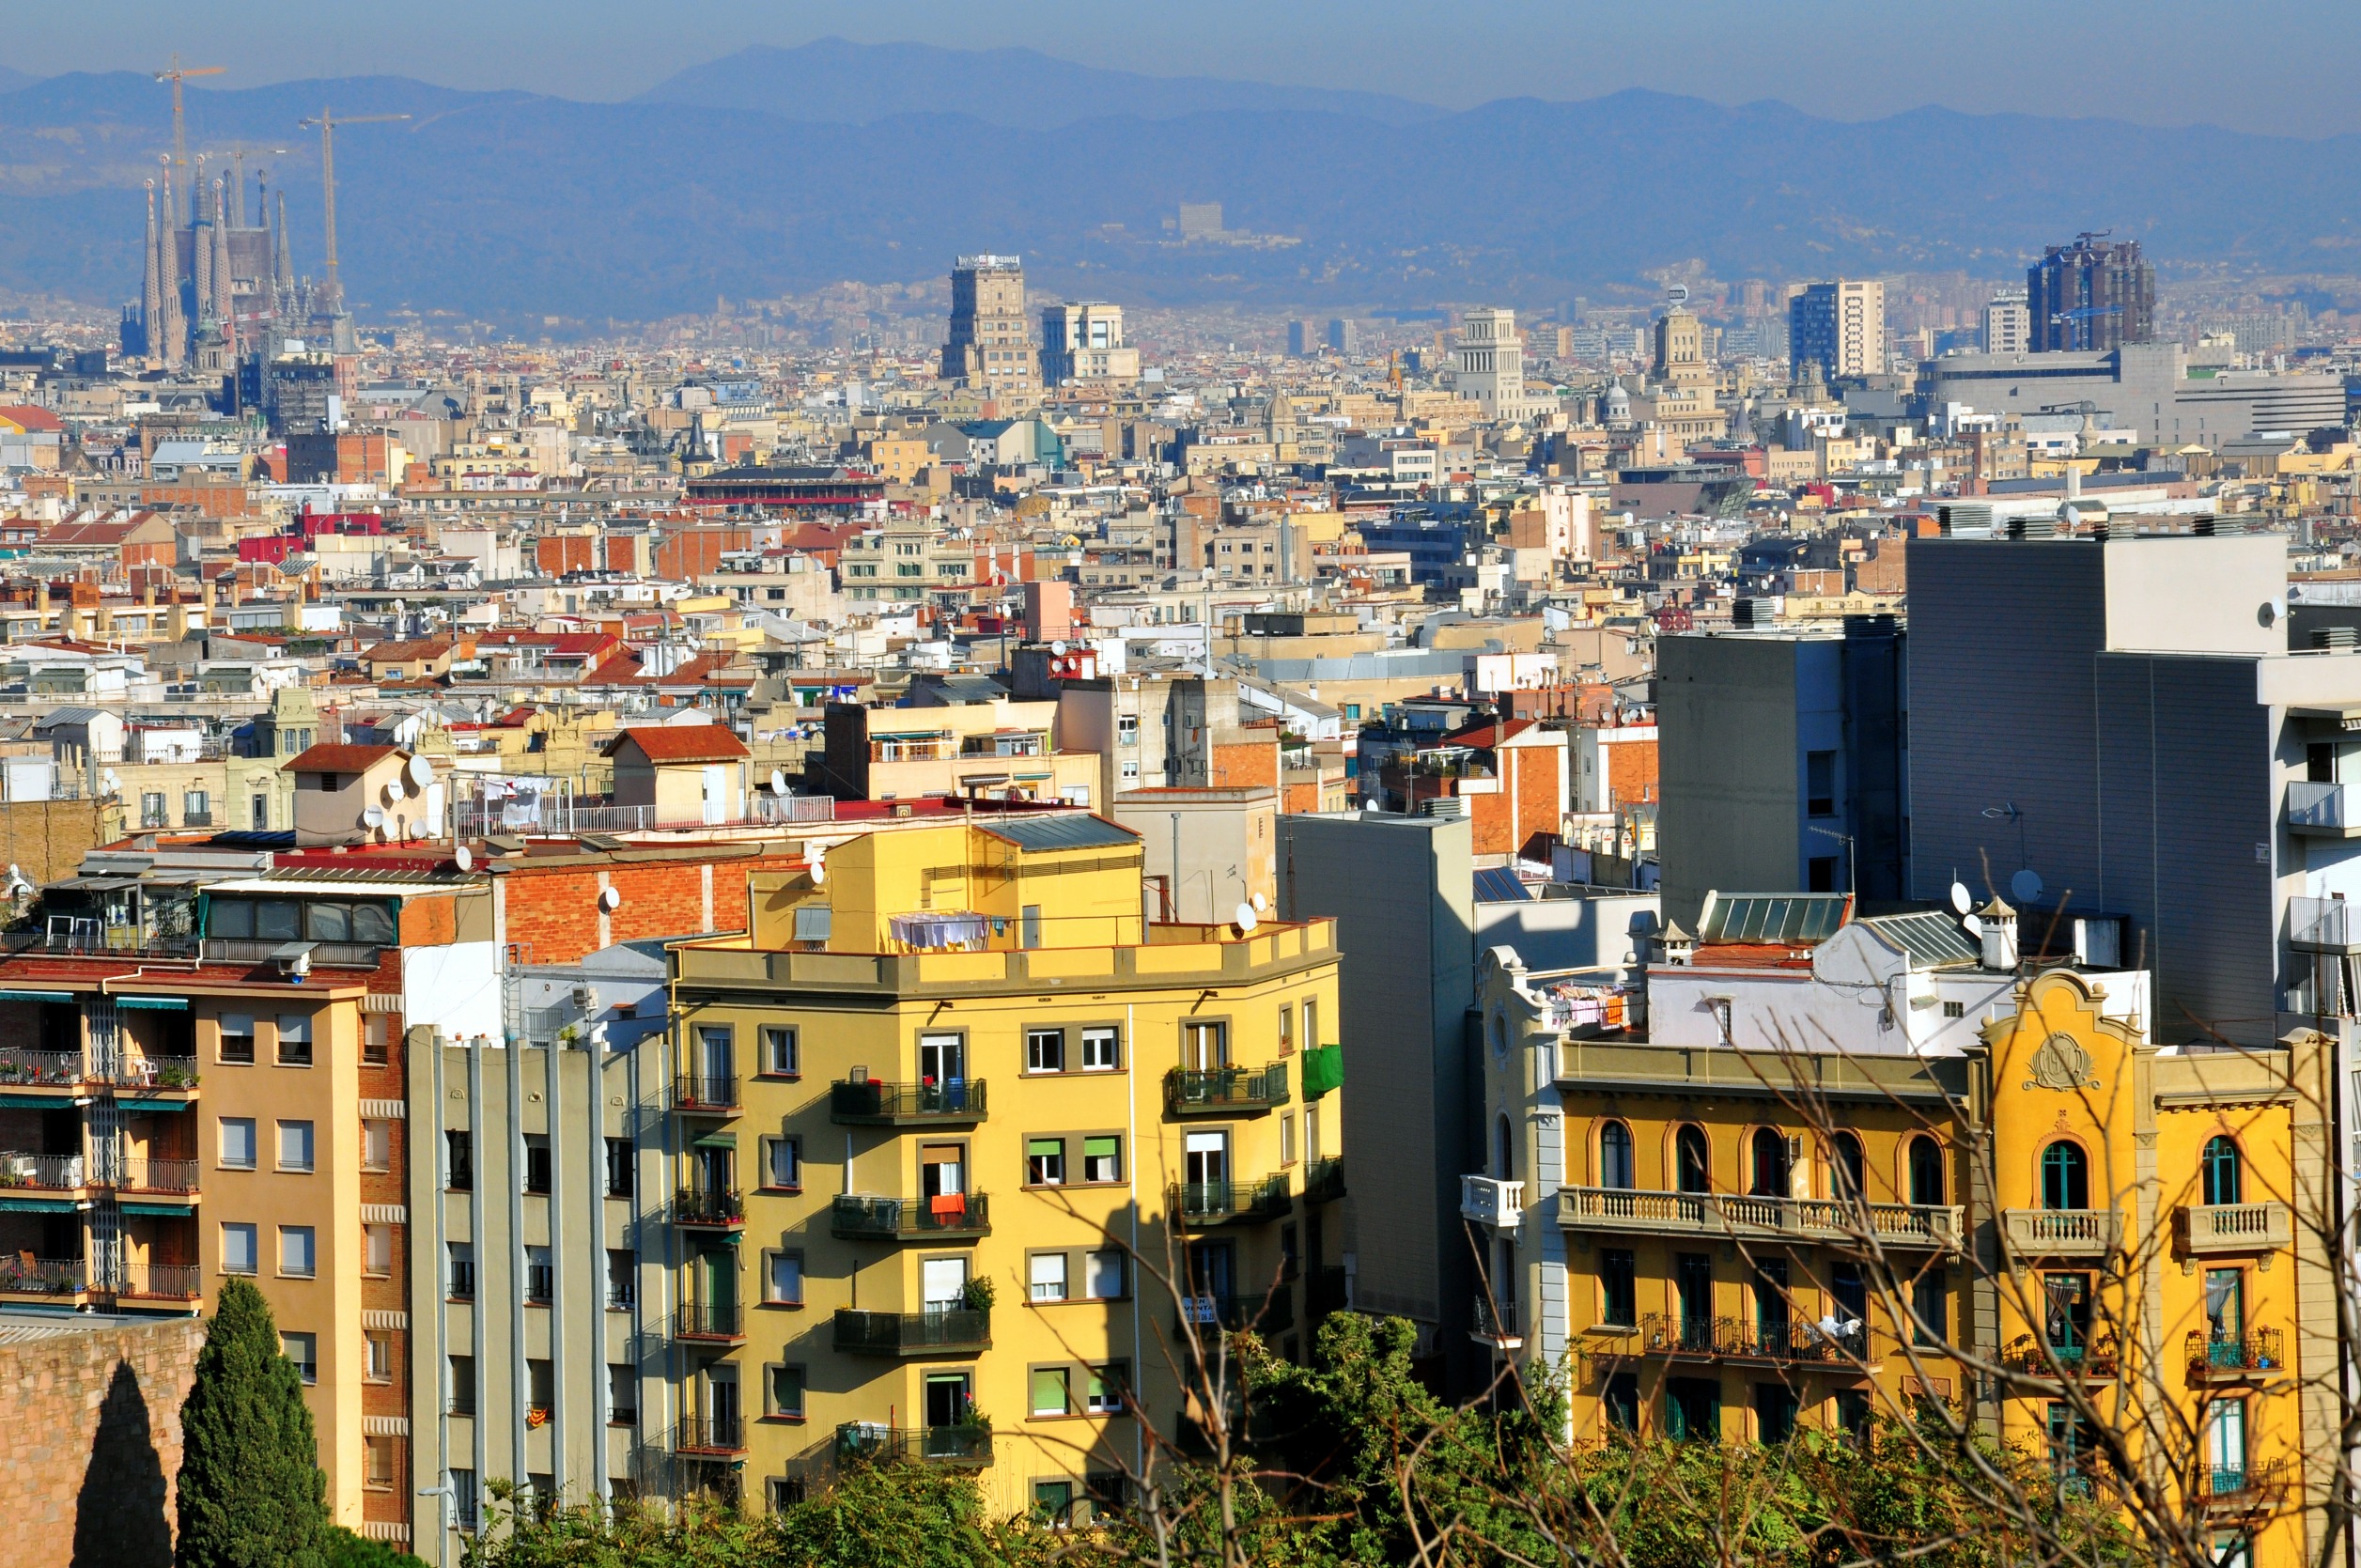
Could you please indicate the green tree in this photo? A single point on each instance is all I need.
(251, 1493)
(348, 1549)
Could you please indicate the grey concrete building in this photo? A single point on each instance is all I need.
(2147, 387)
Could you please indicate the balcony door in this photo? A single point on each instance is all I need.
(1205, 1047)
(944, 1283)
(1207, 1158)
(942, 1060)
(1212, 1276)
(717, 1273)
(721, 1402)
(948, 1396)
(943, 1170)
(717, 1057)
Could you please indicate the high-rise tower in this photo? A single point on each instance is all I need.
(2094, 295)
(991, 348)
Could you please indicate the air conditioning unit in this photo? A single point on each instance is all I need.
(1448, 807)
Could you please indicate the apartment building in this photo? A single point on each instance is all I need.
(994, 744)
(947, 1114)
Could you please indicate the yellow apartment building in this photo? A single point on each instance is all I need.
(1003, 747)
(964, 1141)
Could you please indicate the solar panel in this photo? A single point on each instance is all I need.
(1499, 885)
(1784, 920)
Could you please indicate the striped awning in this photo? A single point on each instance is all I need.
(158, 1005)
(36, 1206)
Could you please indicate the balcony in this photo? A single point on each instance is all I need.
(873, 1104)
(1496, 1204)
(2242, 1488)
(1637, 1212)
(1752, 1340)
(2318, 810)
(2093, 1360)
(705, 1093)
(945, 1331)
(1323, 1180)
(159, 1281)
(1224, 1090)
(58, 1072)
(1327, 1290)
(1496, 1324)
(1274, 1313)
(2323, 926)
(709, 1208)
(715, 1435)
(172, 1074)
(61, 1174)
(2249, 1357)
(2208, 1230)
(266, 950)
(958, 1447)
(952, 1216)
(710, 1323)
(2061, 1233)
(1198, 1203)
(174, 1179)
(47, 1277)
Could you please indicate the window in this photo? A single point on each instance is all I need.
(1615, 1164)
(786, 1392)
(536, 1162)
(1770, 1163)
(782, 1054)
(238, 1142)
(1929, 1307)
(2065, 1177)
(461, 1388)
(1619, 1288)
(1774, 1412)
(1926, 1170)
(1127, 729)
(1621, 1399)
(295, 1146)
(1692, 1409)
(1100, 1051)
(152, 810)
(2226, 1313)
(303, 1350)
(2223, 1182)
(1045, 1051)
(238, 1249)
(1311, 1132)
(458, 1161)
(1853, 1412)
(1693, 1284)
(540, 1276)
(1820, 873)
(782, 1278)
(299, 1253)
(782, 1163)
(237, 1037)
(1105, 1387)
(1104, 1274)
(260, 820)
(540, 1385)
(1286, 1138)
(1051, 1394)
(377, 1250)
(623, 1272)
(1130, 771)
(1045, 1161)
(458, 1278)
(623, 1396)
(1849, 1170)
(1286, 1028)
(379, 1474)
(377, 1351)
(377, 1145)
(1955, 1009)
(2226, 1445)
(295, 1039)
(618, 1168)
(1053, 1500)
(814, 923)
(196, 808)
(1310, 1024)
(2066, 1313)
(1047, 1272)
(1102, 1159)
(377, 1040)
(1820, 784)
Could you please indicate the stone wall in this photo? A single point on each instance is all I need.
(92, 1439)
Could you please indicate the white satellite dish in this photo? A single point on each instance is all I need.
(463, 858)
(372, 816)
(1962, 900)
(421, 771)
(1058, 647)
(778, 781)
(1974, 927)
(393, 790)
(1245, 918)
(819, 870)
(2025, 887)
(610, 900)
(1260, 903)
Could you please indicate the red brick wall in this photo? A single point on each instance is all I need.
(1535, 773)
(556, 554)
(553, 916)
(92, 1442)
(693, 552)
(1246, 763)
(1631, 772)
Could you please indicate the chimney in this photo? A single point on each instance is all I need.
(2000, 936)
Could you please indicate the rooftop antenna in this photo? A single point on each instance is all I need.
(328, 123)
(176, 74)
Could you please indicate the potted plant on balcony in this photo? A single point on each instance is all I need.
(978, 1294)
(173, 1075)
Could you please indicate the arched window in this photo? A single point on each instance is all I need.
(1615, 1155)
(2223, 1180)
(1505, 1156)
(1926, 1170)
(2065, 1177)
(1850, 1167)
(1695, 1160)
(1770, 1163)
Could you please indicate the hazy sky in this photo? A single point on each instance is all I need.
(2273, 66)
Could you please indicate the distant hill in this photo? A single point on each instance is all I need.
(837, 82)
(11, 79)
(512, 206)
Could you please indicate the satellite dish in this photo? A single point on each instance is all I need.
(1058, 647)
(421, 771)
(1260, 903)
(2025, 887)
(610, 900)
(1962, 900)
(778, 781)
(372, 816)
(1245, 918)
(1974, 927)
(463, 858)
(820, 868)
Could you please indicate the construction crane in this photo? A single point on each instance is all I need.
(237, 154)
(328, 123)
(177, 74)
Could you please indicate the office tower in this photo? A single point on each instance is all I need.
(991, 349)
(1344, 336)
(1489, 362)
(2008, 324)
(1084, 342)
(1303, 340)
(2093, 295)
(1840, 326)
(1201, 220)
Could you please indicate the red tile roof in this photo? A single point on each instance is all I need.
(681, 743)
(339, 757)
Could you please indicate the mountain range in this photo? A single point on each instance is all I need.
(778, 170)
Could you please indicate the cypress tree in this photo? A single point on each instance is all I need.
(251, 1493)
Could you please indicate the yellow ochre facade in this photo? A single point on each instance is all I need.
(935, 1117)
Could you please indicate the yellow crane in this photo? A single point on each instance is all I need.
(328, 123)
(176, 74)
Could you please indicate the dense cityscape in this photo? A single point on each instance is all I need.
(956, 883)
